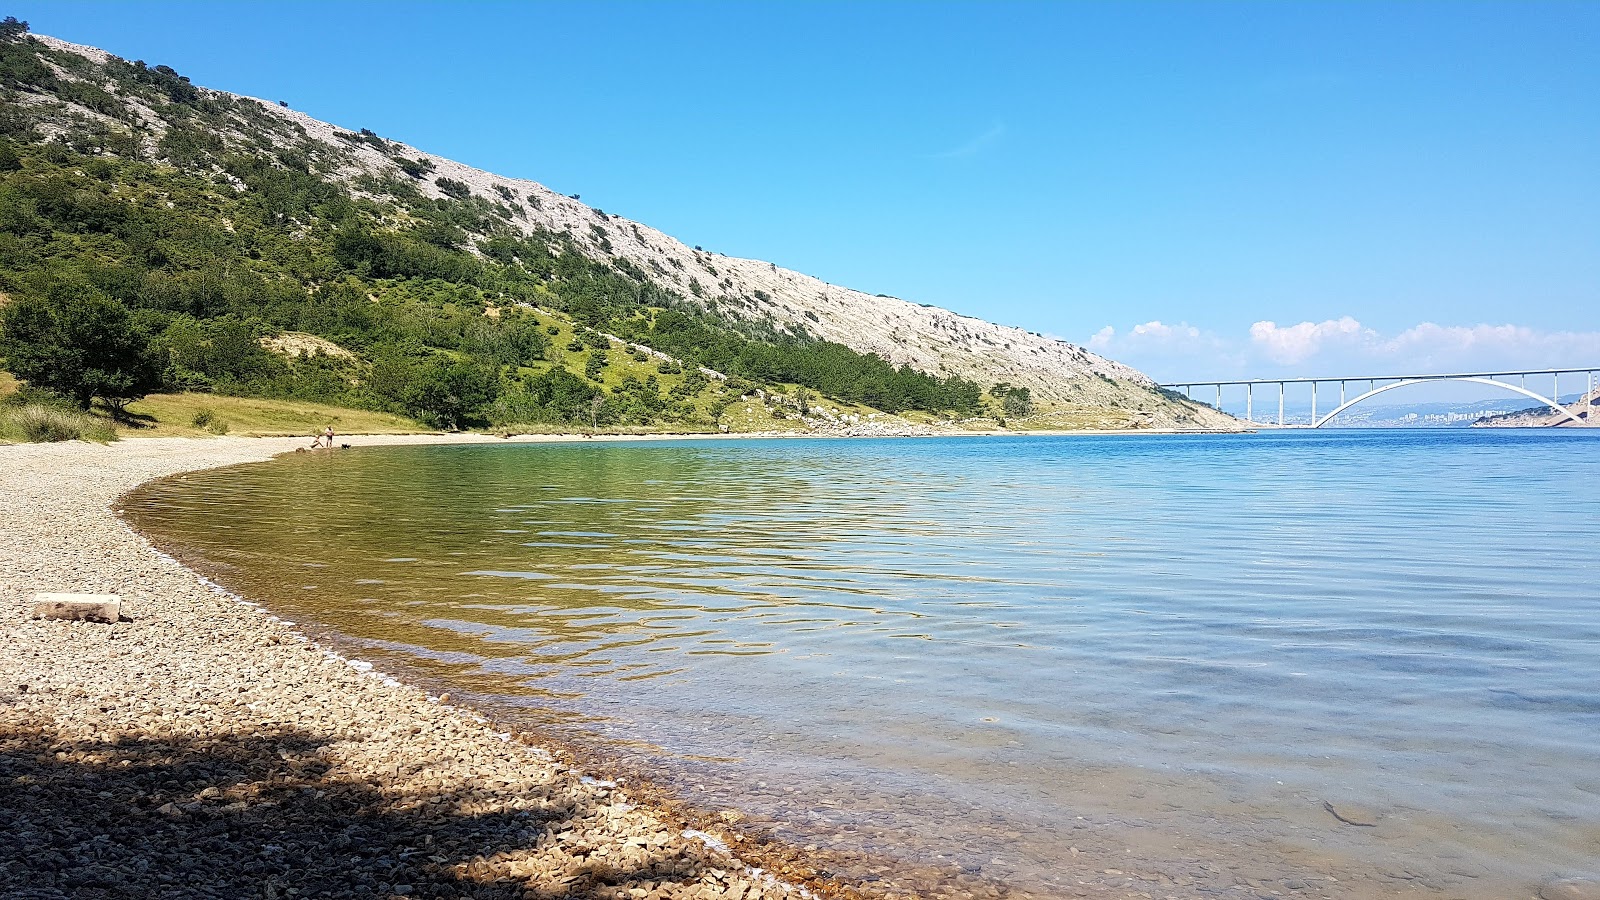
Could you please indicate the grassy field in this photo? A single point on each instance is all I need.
(190, 415)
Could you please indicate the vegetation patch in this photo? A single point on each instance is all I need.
(37, 417)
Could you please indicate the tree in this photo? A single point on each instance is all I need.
(202, 353)
(11, 29)
(1018, 402)
(444, 393)
(81, 345)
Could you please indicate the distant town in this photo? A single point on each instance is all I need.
(1443, 414)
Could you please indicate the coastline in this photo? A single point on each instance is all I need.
(204, 745)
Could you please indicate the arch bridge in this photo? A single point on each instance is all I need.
(1378, 384)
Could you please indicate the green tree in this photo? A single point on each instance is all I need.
(447, 393)
(1018, 402)
(80, 345)
(11, 29)
(202, 353)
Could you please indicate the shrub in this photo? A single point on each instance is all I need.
(415, 168)
(206, 419)
(38, 423)
(453, 188)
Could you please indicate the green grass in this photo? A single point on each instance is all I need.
(24, 422)
(43, 423)
(198, 415)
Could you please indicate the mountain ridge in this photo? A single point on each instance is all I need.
(929, 339)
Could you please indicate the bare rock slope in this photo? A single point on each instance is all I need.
(934, 340)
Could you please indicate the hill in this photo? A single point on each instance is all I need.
(1544, 417)
(227, 225)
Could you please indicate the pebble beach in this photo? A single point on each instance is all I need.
(202, 747)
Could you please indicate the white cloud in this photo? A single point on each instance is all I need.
(1494, 346)
(1163, 332)
(1341, 347)
(1156, 332)
(1297, 343)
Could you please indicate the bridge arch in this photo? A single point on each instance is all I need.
(1407, 382)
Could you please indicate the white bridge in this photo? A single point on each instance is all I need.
(1377, 384)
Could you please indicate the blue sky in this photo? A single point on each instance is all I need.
(1203, 190)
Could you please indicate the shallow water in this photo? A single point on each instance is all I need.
(1073, 665)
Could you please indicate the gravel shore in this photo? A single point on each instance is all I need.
(203, 748)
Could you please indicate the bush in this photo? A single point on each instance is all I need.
(415, 168)
(452, 188)
(206, 419)
(38, 423)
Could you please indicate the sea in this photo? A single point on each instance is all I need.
(1310, 663)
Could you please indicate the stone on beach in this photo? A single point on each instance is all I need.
(78, 607)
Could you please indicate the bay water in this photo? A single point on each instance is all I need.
(1354, 663)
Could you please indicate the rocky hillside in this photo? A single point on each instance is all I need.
(1544, 416)
(112, 101)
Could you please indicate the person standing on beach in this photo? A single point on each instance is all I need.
(328, 436)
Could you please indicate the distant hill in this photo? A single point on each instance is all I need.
(455, 294)
(1544, 416)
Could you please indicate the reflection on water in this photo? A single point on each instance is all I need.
(1076, 665)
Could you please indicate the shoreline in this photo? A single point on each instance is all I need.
(190, 732)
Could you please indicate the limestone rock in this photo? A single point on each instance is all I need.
(78, 607)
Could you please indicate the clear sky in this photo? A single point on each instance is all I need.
(1200, 189)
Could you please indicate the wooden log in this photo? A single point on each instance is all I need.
(78, 607)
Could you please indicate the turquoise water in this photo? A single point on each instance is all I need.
(1083, 664)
